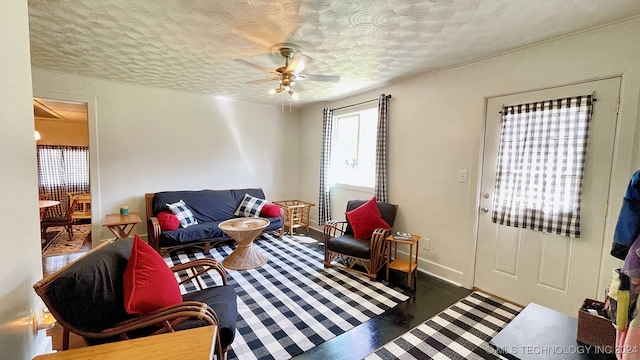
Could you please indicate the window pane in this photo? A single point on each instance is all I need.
(353, 152)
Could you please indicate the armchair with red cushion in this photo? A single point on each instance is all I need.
(358, 244)
(123, 289)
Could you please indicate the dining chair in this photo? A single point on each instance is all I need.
(65, 221)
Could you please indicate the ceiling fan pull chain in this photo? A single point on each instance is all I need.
(281, 104)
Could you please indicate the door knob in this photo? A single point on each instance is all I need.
(484, 209)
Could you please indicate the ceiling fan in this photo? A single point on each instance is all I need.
(287, 75)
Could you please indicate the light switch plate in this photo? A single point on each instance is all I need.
(463, 176)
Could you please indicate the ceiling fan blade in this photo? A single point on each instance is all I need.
(262, 80)
(326, 78)
(298, 64)
(259, 67)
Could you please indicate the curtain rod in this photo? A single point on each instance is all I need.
(360, 103)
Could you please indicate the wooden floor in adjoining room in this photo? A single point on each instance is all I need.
(431, 296)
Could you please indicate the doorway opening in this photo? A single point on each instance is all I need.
(62, 141)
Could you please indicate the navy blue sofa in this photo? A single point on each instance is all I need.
(209, 207)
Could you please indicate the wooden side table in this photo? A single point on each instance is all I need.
(197, 344)
(409, 266)
(295, 214)
(121, 225)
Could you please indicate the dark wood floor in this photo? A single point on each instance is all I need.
(431, 296)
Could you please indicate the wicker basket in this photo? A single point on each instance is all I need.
(595, 330)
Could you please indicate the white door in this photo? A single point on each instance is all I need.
(526, 266)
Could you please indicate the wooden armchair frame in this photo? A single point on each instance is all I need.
(378, 250)
(166, 318)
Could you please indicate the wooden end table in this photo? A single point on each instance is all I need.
(197, 344)
(244, 231)
(409, 266)
(121, 225)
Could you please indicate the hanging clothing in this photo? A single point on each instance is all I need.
(628, 226)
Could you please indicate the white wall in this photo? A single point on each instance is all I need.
(435, 129)
(145, 139)
(21, 265)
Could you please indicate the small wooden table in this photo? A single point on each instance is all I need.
(244, 231)
(409, 266)
(121, 225)
(197, 344)
(45, 204)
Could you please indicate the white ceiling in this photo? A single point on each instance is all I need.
(191, 45)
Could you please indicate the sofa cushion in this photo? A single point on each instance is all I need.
(89, 294)
(206, 205)
(148, 284)
(223, 300)
(270, 210)
(205, 231)
(250, 206)
(365, 219)
(346, 244)
(168, 221)
(183, 213)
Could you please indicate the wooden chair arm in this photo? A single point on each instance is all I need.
(379, 248)
(199, 267)
(153, 233)
(168, 317)
(333, 228)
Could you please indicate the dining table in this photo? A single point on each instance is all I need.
(45, 204)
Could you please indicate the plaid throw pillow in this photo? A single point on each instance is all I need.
(250, 206)
(182, 212)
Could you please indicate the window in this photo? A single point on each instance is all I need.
(61, 166)
(353, 157)
(540, 165)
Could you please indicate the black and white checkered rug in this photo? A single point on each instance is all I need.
(462, 331)
(292, 303)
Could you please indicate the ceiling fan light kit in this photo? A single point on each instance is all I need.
(294, 64)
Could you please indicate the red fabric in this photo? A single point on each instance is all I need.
(168, 221)
(270, 210)
(149, 284)
(365, 219)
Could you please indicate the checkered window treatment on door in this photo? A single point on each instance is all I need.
(324, 203)
(380, 186)
(540, 165)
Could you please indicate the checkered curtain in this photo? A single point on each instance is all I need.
(540, 165)
(380, 186)
(324, 203)
(61, 170)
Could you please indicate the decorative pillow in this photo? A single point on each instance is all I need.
(148, 282)
(365, 219)
(250, 206)
(270, 211)
(182, 212)
(168, 221)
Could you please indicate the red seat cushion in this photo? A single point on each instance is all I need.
(168, 221)
(149, 284)
(365, 219)
(270, 210)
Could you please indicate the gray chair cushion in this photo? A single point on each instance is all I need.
(347, 245)
(89, 294)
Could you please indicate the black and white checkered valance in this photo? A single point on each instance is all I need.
(540, 165)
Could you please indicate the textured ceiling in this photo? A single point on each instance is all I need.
(191, 45)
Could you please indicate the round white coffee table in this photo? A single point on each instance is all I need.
(244, 231)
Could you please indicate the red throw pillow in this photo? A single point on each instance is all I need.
(149, 284)
(270, 210)
(168, 221)
(365, 219)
